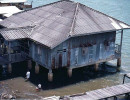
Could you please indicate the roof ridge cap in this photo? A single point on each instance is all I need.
(74, 19)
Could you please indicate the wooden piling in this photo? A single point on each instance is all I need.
(70, 72)
(124, 78)
(96, 67)
(118, 62)
(50, 76)
(37, 68)
(29, 64)
(9, 68)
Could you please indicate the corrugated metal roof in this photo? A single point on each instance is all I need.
(12, 34)
(56, 22)
(12, 1)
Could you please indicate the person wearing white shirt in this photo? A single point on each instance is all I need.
(27, 75)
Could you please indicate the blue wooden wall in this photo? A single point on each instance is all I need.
(76, 51)
(42, 57)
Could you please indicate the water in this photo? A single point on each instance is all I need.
(82, 80)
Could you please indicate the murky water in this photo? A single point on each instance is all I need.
(85, 79)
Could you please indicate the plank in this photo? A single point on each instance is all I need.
(104, 92)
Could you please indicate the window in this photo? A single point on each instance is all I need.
(83, 51)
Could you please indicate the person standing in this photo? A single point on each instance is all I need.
(38, 88)
(27, 75)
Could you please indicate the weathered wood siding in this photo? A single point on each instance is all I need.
(84, 50)
(76, 51)
(40, 54)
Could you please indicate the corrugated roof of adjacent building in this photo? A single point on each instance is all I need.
(13, 33)
(12, 1)
(9, 10)
(57, 22)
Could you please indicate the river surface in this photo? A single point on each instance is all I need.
(84, 79)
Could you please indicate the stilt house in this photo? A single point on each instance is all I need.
(60, 34)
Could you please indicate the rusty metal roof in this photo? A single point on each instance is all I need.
(56, 22)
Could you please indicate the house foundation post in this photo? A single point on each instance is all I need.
(9, 58)
(118, 62)
(9, 68)
(37, 68)
(119, 59)
(50, 75)
(29, 64)
(96, 67)
(70, 72)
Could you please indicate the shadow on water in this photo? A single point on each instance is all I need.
(61, 78)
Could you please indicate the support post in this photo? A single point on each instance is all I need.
(70, 72)
(96, 67)
(9, 65)
(121, 40)
(118, 62)
(119, 59)
(124, 78)
(29, 64)
(9, 68)
(9, 52)
(37, 68)
(50, 76)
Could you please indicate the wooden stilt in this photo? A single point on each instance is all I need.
(37, 68)
(119, 62)
(29, 64)
(124, 78)
(96, 67)
(50, 76)
(9, 68)
(70, 72)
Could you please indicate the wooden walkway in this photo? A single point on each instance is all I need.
(98, 94)
(103, 93)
